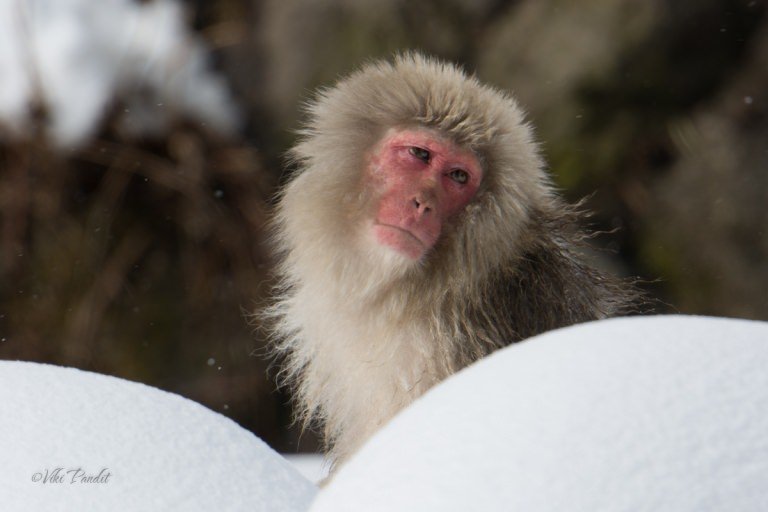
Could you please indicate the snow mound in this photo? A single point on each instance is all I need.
(637, 414)
(73, 440)
(75, 57)
(312, 466)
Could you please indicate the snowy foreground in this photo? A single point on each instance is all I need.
(656, 414)
(644, 414)
(78, 441)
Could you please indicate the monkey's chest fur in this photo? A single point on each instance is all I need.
(360, 366)
(356, 363)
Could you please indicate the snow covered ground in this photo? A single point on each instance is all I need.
(73, 440)
(311, 465)
(639, 414)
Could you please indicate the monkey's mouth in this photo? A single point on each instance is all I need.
(400, 239)
(404, 231)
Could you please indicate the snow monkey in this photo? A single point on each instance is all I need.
(419, 233)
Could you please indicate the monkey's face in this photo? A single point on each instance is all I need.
(420, 181)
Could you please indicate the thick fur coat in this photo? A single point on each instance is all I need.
(362, 330)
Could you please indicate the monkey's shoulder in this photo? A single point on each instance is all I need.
(548, 287)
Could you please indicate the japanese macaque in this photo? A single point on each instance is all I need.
(419, 233)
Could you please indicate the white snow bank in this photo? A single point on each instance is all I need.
(642, 414)
(312, 466)
(656, 414)
(79, 55)
(143, 449)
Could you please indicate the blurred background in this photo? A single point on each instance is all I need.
(142, 142)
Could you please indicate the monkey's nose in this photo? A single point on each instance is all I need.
(421, 205)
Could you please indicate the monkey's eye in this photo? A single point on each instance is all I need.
(459, 176)
(420, 153)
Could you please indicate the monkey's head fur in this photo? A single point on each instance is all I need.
(360, 324)
(417, 91)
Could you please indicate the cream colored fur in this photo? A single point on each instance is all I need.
(363, 330)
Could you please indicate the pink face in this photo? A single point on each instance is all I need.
(422, 180)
